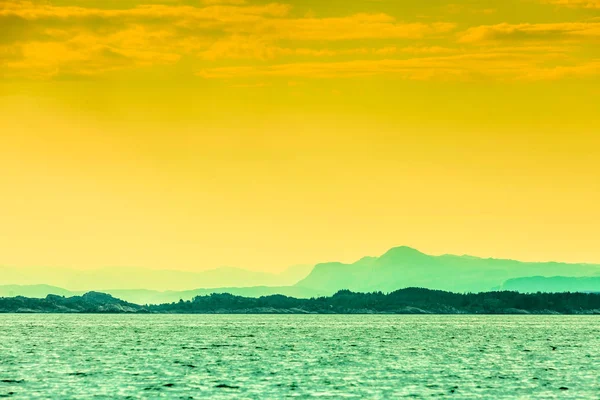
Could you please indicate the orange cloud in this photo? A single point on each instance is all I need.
(551, 73)
(42, 40)
(487, 33)
(575, 3)
(358, 26)
(496, 65)
(213, 2)
(49, 40)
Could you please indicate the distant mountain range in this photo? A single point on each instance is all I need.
(398, 268)
(553, 284)
(128, 278)
(34, 291)
(403, 267)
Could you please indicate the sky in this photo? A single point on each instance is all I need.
(192, 134)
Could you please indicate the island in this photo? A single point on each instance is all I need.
(403, 301)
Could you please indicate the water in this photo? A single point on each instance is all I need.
(258, 356)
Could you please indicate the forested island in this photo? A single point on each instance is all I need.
(404, 301)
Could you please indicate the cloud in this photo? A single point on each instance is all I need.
(464, 8)
(358, 26)
(48, 59)
(223, 11)
(265, 20)
(39, 39)
(489, 33)
(499, 65)
(213, 2)
(49, 40)
(552, 73)
(594, 4)
(258, 48)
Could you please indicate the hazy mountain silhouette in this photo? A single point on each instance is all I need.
(398, 268)
(536, 284)
(148, 279)
(403, 266)
(34, 291)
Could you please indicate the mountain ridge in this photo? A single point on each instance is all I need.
(404, 266)
(128, 278)
(535, 284)
(398, 267)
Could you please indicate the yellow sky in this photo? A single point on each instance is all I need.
(193, 134)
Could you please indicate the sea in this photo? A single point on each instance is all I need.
(58, 356)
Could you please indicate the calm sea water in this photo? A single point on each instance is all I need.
(257, 356)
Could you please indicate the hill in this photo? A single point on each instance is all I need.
(91, 302)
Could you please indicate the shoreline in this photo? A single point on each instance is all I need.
(409, 301)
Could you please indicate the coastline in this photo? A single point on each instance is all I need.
(409, 301)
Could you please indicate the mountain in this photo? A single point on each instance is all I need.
(38, 291)
(400, 267)
(403, 266)
(148, 279)
(535, 284)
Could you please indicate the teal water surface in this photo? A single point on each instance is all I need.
(275, 356)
